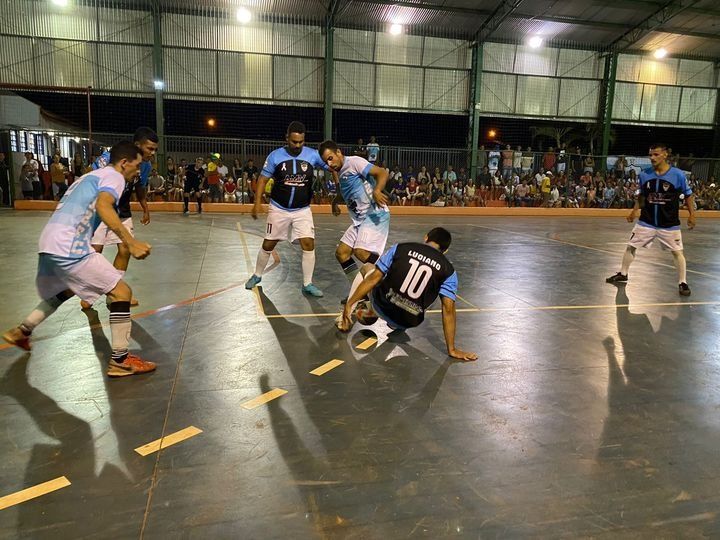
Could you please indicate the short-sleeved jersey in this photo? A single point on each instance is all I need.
(123, 204)
(356, 186)
(373, 152)
(70, 228)
(293, 177)
(661, 195)
(415, 274)
(193, 176)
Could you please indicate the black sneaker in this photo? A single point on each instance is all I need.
(617, 278)
(683, 289)
(185, 211)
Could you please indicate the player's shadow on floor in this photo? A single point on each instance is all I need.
(648, 447)
(375, 434)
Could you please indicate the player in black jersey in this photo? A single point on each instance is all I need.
(405, 282)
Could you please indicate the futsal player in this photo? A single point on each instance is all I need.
(289, 217)
(361, 185)
(147, 140)
(68, 265)
(404, 283)
(661, 190)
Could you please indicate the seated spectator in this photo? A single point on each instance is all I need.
(175, 193)
(608, 196)
(522, 192)
(437, 196)
(483, 179)
(469, 193)
(156, 185)
(554, 201)
(398, 194)
(423, 177)
(481, 195)
(590, 198)
(589, 164)
(457, 193)
(231, 192)
(58, 175)
(412, 190)
(581, 195)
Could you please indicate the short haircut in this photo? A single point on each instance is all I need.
(660, 145)
(296, 127)
(145, 134)
(441, 237)
(124, 150)
(328, 145)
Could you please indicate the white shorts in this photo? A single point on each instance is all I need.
(670, 239)
(289, 225)
(368, 236)
(89, 277)
(104, 236)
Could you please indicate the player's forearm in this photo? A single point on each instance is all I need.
(109, 216)
(448, 318)
(260, 189)
(381, 179)
(142, 198)
(690, 203)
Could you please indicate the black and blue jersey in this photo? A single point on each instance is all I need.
(123, 204)
(293, 177)
(661, 195)
(415, 274)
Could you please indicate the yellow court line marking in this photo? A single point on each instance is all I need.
(365, 345)
(264, 398)
(32, 492)
(248, 264)
(467, 302)
(168, 440)
(322, 370)
(566, 242)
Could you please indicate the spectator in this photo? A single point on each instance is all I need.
(26, 181)
(251, 170)
(231, 193)
(576, 162)
(482, 160)
(521, 193)
(462, 176)
(517, 160)
(449, 175)
(581, 195)
(549, 159)
(526, 164)
(620, 166)
(507, 162)
(589, 164)
(590, 197)
(469, 193)
(156, 184)
(172, 170)
(423, 177)
(58, 176)
(78, 167)
(410, 173)
(412, 190)
(494, 160)
(399, 190)
(554, 201)
(373, 150)
(175, 193)
(481, 195)
(437, 195)
(608, 196)
(213, 179)
(562, 158)
(545, 188)
(360, 149)
(33, 171)
(483, 179)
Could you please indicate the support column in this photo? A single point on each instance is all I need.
(159, 76)
(474, 114)
(607, 98)
(329, 78)
(715, 152)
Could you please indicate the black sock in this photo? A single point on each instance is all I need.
(349, 266)
(185, 202)
(199, 205)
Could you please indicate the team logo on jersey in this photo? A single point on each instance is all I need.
(304, 166)
(666, 186)
(284, 167)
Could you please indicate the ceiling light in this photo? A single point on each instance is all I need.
(660, 53)
(61, 3)
(243, 15)
(535, 42)
(159, 85)
(396, 29)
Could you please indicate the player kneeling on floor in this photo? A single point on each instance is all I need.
(404, 283)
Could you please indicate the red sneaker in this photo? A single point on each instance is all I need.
(133, 365)
(16, 337)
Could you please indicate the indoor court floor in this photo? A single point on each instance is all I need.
(592, 412)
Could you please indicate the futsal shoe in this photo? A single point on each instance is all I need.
(311, 290)
(133, 365)
(618, 278)
(17, 337)
(252, 282)
(683, 289)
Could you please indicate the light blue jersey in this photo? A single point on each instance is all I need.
(356, 186)
(70, 229)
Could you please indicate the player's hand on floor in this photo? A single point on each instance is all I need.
(139, 250)
(462, 355)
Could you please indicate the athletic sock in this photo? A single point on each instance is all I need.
(681, 266)
(350, 268)
(199, 201)
(120, 329)
(627, 260)
(43, 310)
(308, 266)
(355, 284)
(186, 202)
(262, 259)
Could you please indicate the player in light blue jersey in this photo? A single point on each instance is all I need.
(68, 265)
(361, 185)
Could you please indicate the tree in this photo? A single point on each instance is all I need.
(594, 134)
(560, 135)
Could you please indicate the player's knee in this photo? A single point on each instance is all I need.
(307, 244)
(367, 269)
(269, 245)
(631, 250)
(121, 293)
(342, 253)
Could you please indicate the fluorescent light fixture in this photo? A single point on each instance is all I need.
(660, 53)
(61, 3)
(396, 29)
(243, 15)
(535, 42)
(159, 85)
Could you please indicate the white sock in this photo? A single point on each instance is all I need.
(43, 310)
(120, 326)
(308, 266)
(627, 260)
(262, 260)
(681, 265)
(355, 284)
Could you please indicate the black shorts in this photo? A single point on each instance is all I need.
(191, 187)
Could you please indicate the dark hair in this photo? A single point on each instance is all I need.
(441, 237)
(296, 127)
(660, 145)
(328, 145)
(145, 134)
(124, 150)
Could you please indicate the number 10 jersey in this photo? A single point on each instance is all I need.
(415, 274)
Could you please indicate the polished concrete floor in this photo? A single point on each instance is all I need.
(582, 417)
